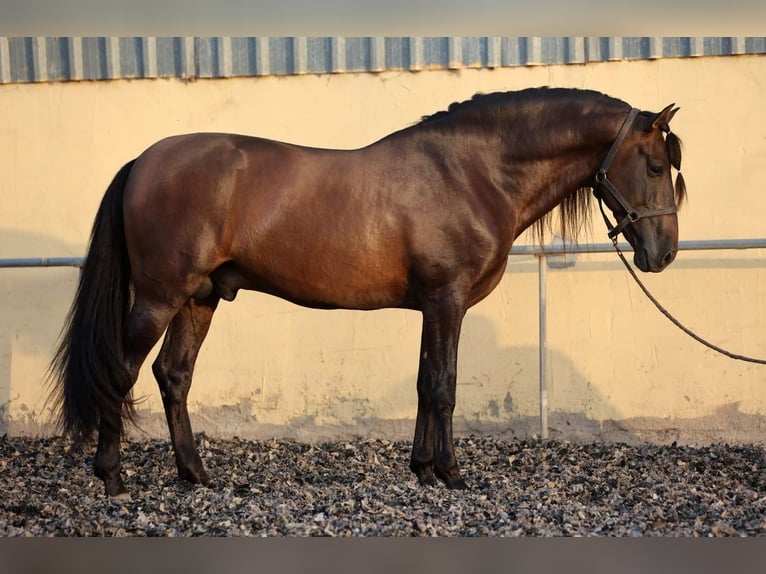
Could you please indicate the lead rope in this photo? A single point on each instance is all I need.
(675, 321)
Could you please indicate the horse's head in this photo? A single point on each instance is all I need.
(639, 189)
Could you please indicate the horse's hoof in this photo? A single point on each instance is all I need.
(116, 489)
(456, 484)
(427, 479)
(121, 497)
(194, 476)
(425, 473)
(452, 479)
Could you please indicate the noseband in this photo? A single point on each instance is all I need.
(603, 184)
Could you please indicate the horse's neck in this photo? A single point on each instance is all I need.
(555, 131)
(535, 155)
(548, 159)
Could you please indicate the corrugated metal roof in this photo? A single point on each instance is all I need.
(46, 59)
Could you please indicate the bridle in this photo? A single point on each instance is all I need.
(603, 184)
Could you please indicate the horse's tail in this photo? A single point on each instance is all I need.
(89, 373)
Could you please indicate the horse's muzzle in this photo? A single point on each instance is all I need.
(651, 262)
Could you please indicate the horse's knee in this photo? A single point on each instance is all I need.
(174, 383)
(443, 398)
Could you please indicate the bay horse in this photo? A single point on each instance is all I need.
(422, 219)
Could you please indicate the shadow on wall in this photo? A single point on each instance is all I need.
(509, 376)
(497, 394)
(577, 410)
(33, 305)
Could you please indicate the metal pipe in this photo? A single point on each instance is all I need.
(43, 262)
(542, 273)
(694, 245)
(702, 245)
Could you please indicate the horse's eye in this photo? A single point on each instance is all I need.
(654, 170)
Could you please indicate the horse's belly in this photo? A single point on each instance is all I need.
(342, 293)
(313, 286)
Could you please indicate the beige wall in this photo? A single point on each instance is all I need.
(617, 369)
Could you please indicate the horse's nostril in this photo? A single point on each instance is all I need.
(669, 256)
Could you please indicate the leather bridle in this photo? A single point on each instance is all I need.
(603, 184)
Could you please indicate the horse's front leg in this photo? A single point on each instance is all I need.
(422, 459)
(433, 450)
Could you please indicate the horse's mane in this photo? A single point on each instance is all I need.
(481, 101)
(673, 145)
(573, 215)
(574, 211)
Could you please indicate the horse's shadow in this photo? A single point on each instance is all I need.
(509, 376)
(33, 305)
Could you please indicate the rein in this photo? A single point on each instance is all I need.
(602, 181)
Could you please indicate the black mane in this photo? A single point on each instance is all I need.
(494, 100)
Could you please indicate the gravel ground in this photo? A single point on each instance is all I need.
(364, 488)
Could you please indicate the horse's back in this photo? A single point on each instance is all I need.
(296, 221)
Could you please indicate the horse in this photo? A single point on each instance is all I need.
(422, 219)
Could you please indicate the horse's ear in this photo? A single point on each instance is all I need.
(662, 120)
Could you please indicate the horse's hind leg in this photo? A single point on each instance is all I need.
(106, 465)
(173, 370)
(145, 324)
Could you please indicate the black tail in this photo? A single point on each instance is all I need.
(89, 371)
